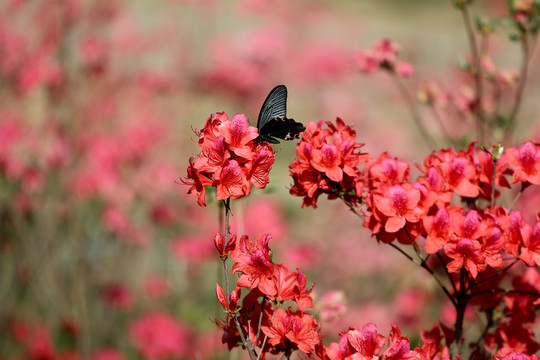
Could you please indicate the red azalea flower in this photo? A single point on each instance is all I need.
(385, 169)
(467, 226)
(297, 327)
(525, 161)
(230, 159)
(399, 348)
(437, 184)
(327, 160)
(530, 252)
(438, 229)
(367, 342)
(492, 240)
(210, 131)
(341, 350)
(219, 242)
(367, 61)
(512, 336)
(232, 182)
(254, 264)
(467, 254)
(259, 167)
(511, 225)
(213, 156)
(458, 171)
(516, 355)
(278, 328)
(304, 332)
(399, 204)
(238, 135)
(386, 50)
(157, 335)
(291, 286)
(118, 296)
(197, 182)
(35, 338)
(231, 303)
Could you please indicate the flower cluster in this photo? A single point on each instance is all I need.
(272, 316)
(274, 328)
(231, 159)
(368, 343)
(383, 55)
(283, 330)
(328, 160)
(479, 240)
(475, 238)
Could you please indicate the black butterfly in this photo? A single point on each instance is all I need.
(273, 122)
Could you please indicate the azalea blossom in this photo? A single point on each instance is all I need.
(230, 160)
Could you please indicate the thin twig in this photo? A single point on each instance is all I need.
(494, 178)
(429, 270)
(441, 123)
(266, 338)
(446, 271)
(523, 187)
(417, 118)
(489, 324)
(476, 71)
(260, 321)
(502, 291)
(522, 81)
(245, 342)
(499, 273)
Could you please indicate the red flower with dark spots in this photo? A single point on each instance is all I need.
(198, 183)
(399, 204)
(292, 286)
(231, 303)
(157, 335)
(254, 264)
(297, 327)
(385, 169)
(259, 167)
(458, 171)
(467, 226)
(213, 156)
(525, 161)
(467, 254)
(231, 159)
(438, 229)
(238, 135)
(512, 224)
(232, 182)
(224, 250)
(530, 252)
(367, 342)
(399, 348)
(327, 160)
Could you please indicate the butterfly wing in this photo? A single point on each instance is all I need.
(281, 128)
(274, 106)
(273, 122)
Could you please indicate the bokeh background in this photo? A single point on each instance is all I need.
(103, 255)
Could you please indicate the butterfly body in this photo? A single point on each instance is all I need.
(273, 123)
